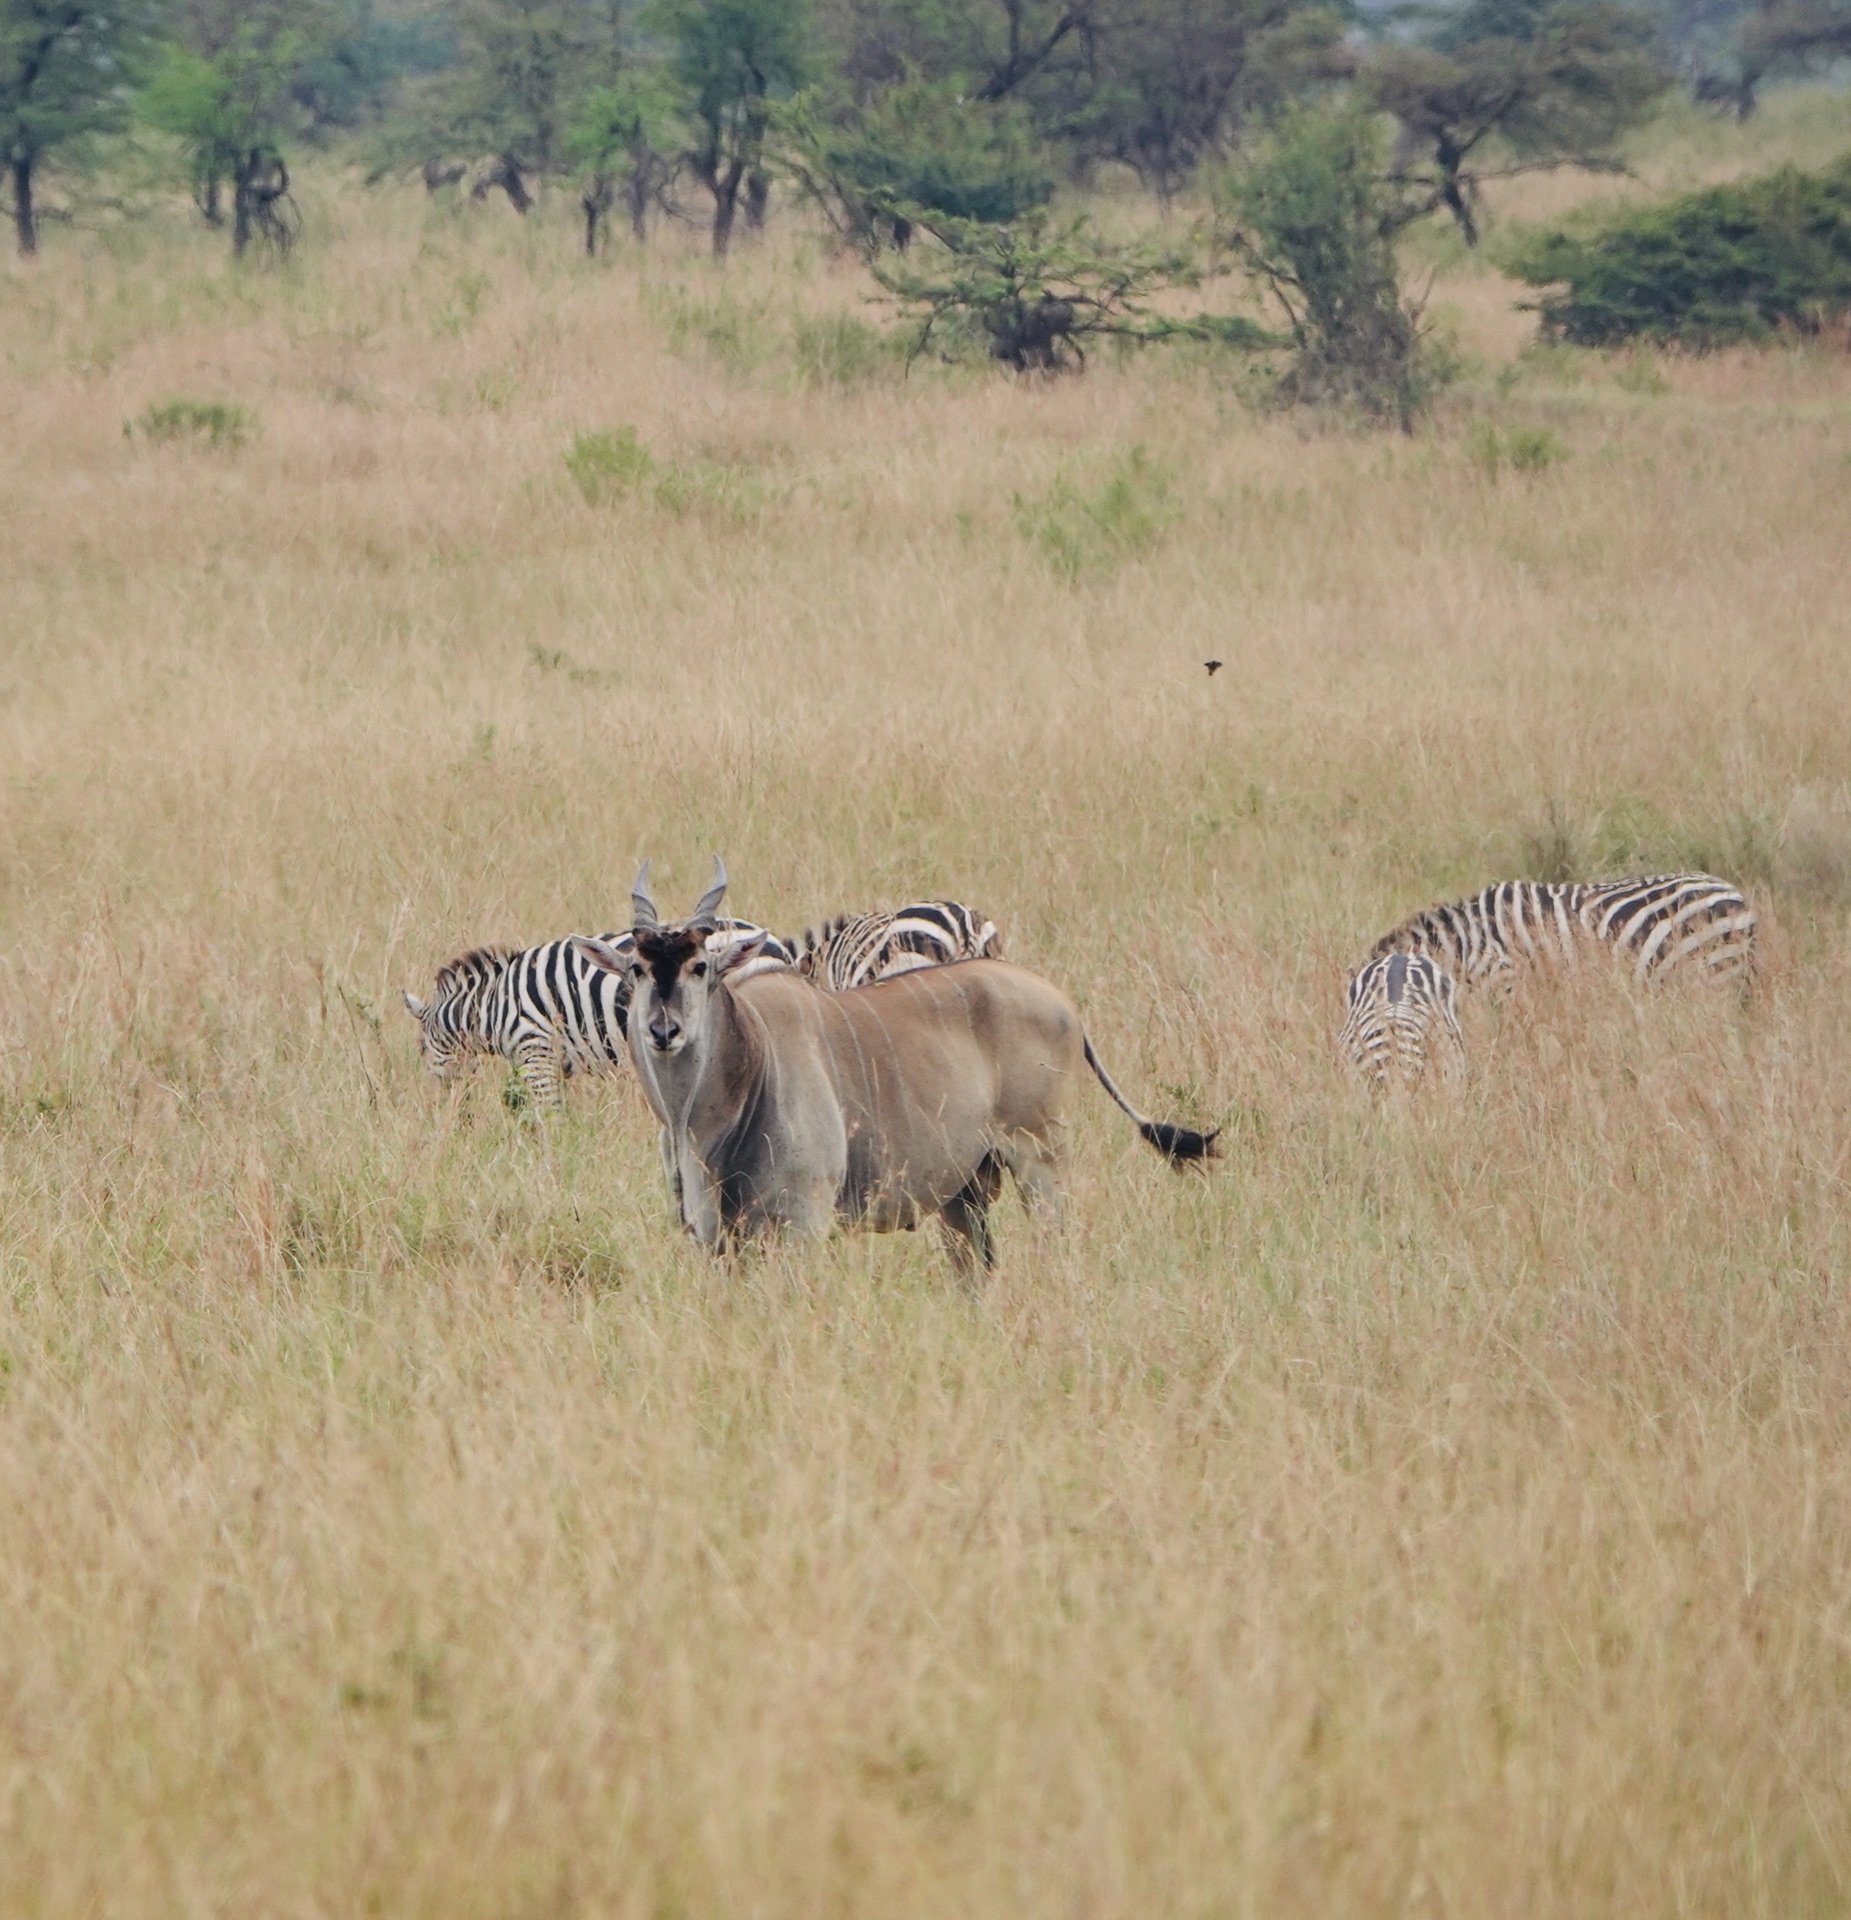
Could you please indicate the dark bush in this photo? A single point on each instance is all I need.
(1739, 262)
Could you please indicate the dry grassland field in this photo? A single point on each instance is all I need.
(1443, 1507)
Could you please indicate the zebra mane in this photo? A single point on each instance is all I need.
(814, 937)
(468, 968)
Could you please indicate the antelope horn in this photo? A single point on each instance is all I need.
(709, 902)
(642, 908)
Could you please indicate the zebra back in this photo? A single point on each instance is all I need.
(855, 950)
(1689, 921)
(1402, 1012)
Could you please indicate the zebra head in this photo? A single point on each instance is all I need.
(451, 1022)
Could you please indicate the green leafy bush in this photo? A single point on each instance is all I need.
(740, 334)
(1522, 449)
(720, 490)
(838, 350)
(1734, 263)
(215, 423)
(1314, 222)
(1080, 532)
(1034, 291)
(608, 464)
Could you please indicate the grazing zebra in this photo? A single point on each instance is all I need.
(1399, 1004)
(1688, 923)
(547, 1009)
(856, 950)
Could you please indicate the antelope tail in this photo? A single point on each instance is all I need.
(1176, 1144)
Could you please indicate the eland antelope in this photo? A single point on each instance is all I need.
(786, 1107)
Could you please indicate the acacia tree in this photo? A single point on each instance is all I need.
(1553, 83)
(1176, 78)
(1034, 291)
(621, 135)
(1314, 222)
(65, 67)
(732, 59)
(920, 144)
(232, 113)
(1792, 36)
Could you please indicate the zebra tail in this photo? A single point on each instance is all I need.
(1178, 1145)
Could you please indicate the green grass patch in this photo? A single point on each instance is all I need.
(211, 423)
(1083, 531)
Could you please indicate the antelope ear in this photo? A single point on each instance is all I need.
(601, 954)
(739, 953)
(414, 1006)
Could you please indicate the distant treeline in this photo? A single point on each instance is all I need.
(970, 109)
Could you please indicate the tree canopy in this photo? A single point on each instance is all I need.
(66, 69)
(1507, 86)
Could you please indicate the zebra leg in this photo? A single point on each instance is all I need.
(537, 1057)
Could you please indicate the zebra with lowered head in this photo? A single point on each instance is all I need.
(549, 1010)
(1402, 1009)
(1692, 924)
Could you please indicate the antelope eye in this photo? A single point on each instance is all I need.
(699, 969)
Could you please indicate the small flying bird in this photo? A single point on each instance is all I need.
(1213, 666)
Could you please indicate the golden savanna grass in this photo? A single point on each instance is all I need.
(1438, 1509)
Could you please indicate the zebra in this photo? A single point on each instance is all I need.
(547, 1009)
(1688, 923)
(552, 1013)
(855, 950)
(1399, 1003)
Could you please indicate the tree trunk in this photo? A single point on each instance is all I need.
(1457, 203)
(597, 198)
(637, 191)
(758, 197)
(25, 219)
(725, 190)
(241, 206)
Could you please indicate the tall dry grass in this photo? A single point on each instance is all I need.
(1440, 1510)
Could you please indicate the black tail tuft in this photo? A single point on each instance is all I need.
(1180, 1144)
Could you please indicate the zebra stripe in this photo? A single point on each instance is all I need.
(547, 1009)
(1401, 1007)
(853, 951)
(1664, 922)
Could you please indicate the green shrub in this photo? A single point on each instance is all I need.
(1081, 532)
(739, 334)
(1314, 221)
(606, 465)
(1034, 291)
(720, 490)
(838, 350)
(1522, 449)
(1734, 263)
(217, 423)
